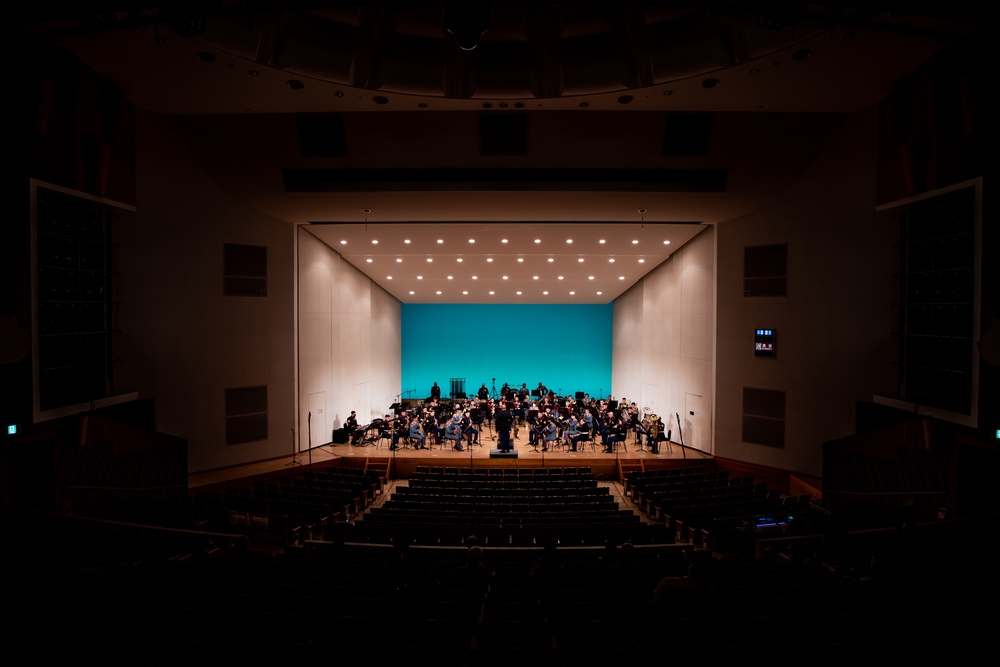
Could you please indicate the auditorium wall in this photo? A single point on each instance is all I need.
(833, 327)
(183, 342)
(349, 343)
(664, 342)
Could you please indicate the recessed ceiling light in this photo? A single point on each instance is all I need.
(374, 241)
(518, 292)
(538, 240)
(440, 240)
(621, 277)
(580, 260)
(569, 240)
(635, 241)
(545, 292)
(388, 277)
(430, 259)
(465, 291)
(590, 277)
(399, 260)
(503, 240)
(505, 277)
(666, 242)
(551, 259)
(420, 277)
(642, 261)
(534, 277)
(492, 292)
(459, 260)
(601, 241)
(520, 259)
(472, 240)
(475, 277)
(407, 241)
(489, 259)
(369, 260)
(451, 277)
(343, 242)
(572, 293)
(412, 292)
(438, 292)
(611, 260)
(600, 293)
(560, 277)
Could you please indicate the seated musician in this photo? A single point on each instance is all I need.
(431, 427)
(417, 434)
(400, 429)
(550, 434)
(469, 428)
(453, 433)
(617, 432)
(571, 431)
(642, 428)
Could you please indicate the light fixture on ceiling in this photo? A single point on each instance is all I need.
(366, 211)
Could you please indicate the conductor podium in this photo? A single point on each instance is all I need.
(500, 454)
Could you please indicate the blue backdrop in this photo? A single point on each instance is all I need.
(565, 347)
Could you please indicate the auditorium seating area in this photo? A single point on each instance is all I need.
(481, 566)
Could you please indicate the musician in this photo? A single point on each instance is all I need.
(550, 434)
(469, 429)
(417, 434)
(453, 432)
(400, 430)
(504, 420)
(435, 392)
(642, 429)
(571, 431)
(356, 430)
(523, 394)
(483, 393)
(431, 426)
(653, 439)
(617, 431)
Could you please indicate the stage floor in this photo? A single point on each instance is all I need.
(403, 461)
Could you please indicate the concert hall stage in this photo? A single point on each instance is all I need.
(403, 462)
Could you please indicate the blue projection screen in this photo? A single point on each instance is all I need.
(565, 347)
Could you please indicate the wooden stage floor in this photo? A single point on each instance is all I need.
(403, 462)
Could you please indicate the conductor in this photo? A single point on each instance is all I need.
(503, 422)
(436, 392)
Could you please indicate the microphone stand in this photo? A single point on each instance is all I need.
(309, 422)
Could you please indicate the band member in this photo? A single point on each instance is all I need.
(417, 434)
(551, 434)
(431, 427)
(617, 432)
(571, 431)
(653, 439)
(453, 432)
(469, 429)
(483, 393)
(400, 430)
(435, 392)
